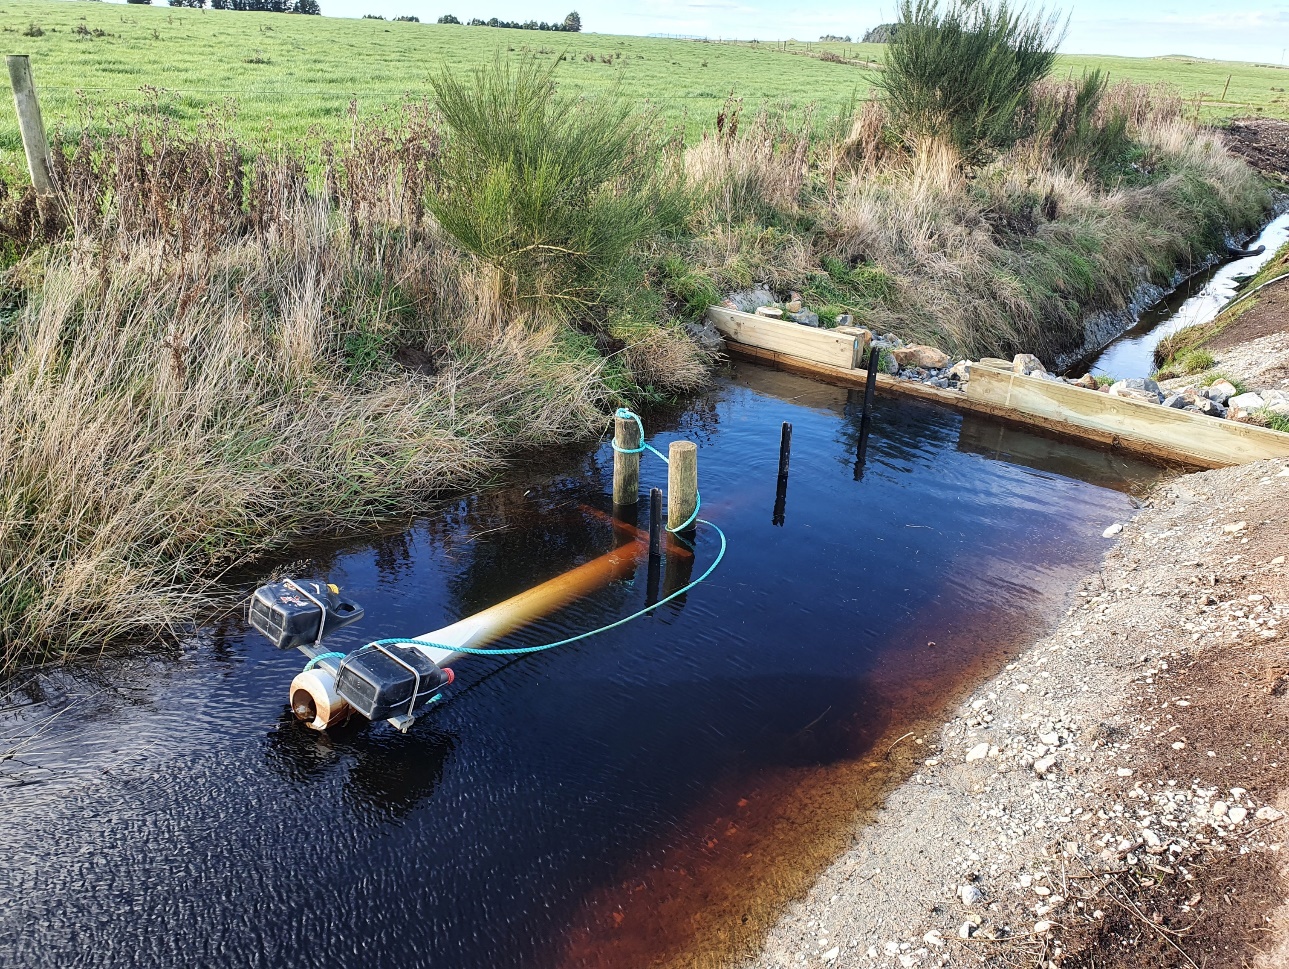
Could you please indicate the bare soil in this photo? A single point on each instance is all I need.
(1262, 142)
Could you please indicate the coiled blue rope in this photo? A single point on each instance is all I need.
(525, 650)
(626, 414)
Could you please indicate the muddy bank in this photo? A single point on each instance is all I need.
(1113, 797)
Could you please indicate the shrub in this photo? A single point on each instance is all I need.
(963, 74)
(554, 192)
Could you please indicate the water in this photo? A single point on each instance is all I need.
(1197, 300)
(660, 790)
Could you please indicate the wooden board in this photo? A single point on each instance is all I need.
(805, 342)
(1202, 440)
(1231, 434)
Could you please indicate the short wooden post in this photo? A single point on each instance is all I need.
(682, 484)
(781, 490)
(29, 122)
(626, 461)
(1226, 86)
(655, 523)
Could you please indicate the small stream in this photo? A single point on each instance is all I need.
(585, 807)
(1196, 300)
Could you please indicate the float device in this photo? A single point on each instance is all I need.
(399, 680)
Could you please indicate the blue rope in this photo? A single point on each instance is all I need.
(319, 658)
(626, 414)
(525, 650)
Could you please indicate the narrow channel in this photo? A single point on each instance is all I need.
(1196, 300)
(572, 808)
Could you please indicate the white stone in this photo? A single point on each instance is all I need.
(1218, 809)
(1268, 814)
(1042, 927)
(978, 752)
(1051, 739)
(933, 938)
(1043, 765)
(1112, 531)
(1246, 402)
(1151, 838)
(970, 895)
(832, 953)
(1233, 527)
(966, 930)
(1236, 814)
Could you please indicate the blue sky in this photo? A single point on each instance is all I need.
(1250, 31)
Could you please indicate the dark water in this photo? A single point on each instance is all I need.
(1197, 300)
(164, 810)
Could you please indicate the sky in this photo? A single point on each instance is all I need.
(1257, 30)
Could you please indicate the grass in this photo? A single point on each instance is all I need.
(290, 74)
(1186, 363)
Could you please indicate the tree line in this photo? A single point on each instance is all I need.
(572, 23)
(259, 6)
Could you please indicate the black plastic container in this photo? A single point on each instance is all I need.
(379, 681)
(288, 615)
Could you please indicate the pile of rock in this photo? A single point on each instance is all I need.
(925, 364)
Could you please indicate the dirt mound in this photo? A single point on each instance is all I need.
(1262, 142)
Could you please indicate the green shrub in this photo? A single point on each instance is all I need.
(964, 73)
(553, 191)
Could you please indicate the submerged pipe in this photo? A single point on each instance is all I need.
(313, 692)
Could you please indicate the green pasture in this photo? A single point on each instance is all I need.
(291, 76)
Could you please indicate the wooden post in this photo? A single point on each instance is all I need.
(1225, 86)
(682, 483)
(29, 122)
(626, 461)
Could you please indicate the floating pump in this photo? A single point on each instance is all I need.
(399, 680)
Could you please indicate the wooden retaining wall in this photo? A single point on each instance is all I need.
(1089, 416)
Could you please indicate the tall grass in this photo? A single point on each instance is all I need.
(211, 358)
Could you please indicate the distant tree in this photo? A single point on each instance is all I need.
(194, 4)
(447, 18)
(882, 34)
(373, 16)
(407, 19)
(573, 23)
(309, 7)
(139, 1)
(835, 38)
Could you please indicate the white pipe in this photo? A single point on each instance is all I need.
(313, 692)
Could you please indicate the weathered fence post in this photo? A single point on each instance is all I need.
(626, 461)
(30, 124)
(682, 484)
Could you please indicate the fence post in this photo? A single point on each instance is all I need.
(34, 142)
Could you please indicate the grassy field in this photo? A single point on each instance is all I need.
(289, 75)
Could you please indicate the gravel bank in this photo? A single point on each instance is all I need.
(1114, 796)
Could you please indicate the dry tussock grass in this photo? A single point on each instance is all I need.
(188, 381)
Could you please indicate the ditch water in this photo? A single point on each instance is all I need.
(1197, 300)
(657, 790)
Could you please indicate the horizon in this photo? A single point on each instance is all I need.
(1182, 28)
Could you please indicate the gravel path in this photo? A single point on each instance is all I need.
(1084, 806)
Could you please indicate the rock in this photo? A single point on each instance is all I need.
(771, 312)
(1220, 392)
(1218, 808)
(804, 317)
(933, 938)
(978, 752)
(1206, 406)
(1234, 528)
(938, 382)
(1150, 838)
(1087, 381)
(1052, 740)
(1178, 401)
(705, 335)
(1044, 764)
(1042, 927)
(831, 954)
(845, 319)
(970, 895)
(1113, 530)
(1027, 363)
(966, 930)
(1268, 814)
(960, 371)
(1244, 403)
(748, 300)
(1236, 814)
(919, 355)
(1137, 388)
(886, 364)
(793, 305)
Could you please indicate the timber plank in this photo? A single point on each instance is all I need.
(820, 346)
(1199, 439)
